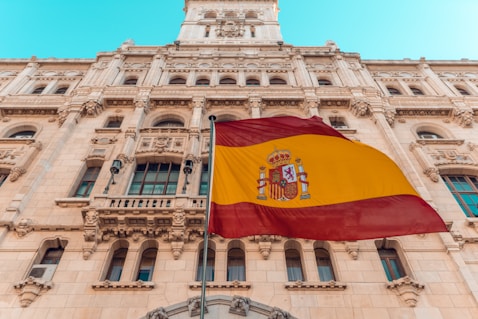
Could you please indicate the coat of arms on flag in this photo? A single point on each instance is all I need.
(282, 182)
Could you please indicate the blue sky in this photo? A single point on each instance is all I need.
(377, 29)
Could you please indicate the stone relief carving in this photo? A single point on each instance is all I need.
(240, 305)
(91, 232)
(16, 172)
(159, 313)
(194, 306)
(390, 116)
(277, 313)
(352, 247)
(230, 29)
(24, 227)
(407, 288)
(30, 288)
(92, 108)
(265, 243)
(360, 108)
(464, 117)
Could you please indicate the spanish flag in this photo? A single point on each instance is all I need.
(300, 178)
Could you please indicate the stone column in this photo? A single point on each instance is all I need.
(155, 71)
(346, 75)
(434, 80)
(300, 70)
(109, 75)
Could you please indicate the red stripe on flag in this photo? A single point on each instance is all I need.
(366, 219)
(255, 131)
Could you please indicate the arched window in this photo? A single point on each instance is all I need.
(23, 134)
(117, 264)
(253, 82)
(155, 179)
(391, 263)
(61, 90)
(169, 123)
(416, 91)
(277, 81)
(324, 82)
(393, 91)
(130, 81)
(324, 264)
(236, 265)
(227, 81)
(211, 259)
(427, 135)
(465, 190)
(48, 258)
(39, 90)
(294, 265)
(462, 91)
(146, 265)
(177, 80)
(202, 82)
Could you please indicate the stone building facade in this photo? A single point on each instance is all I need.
(103, 174)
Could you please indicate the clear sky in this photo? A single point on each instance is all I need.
(377, 29)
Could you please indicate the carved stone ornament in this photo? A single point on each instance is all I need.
(390, 116)
(277, 313)
(159, 313)
(360, 108)
(407, 288)
(16, 172)
(265, 243)
(352, 247)
(92, 108)
(62, 115)
(230, 29)
(30, 288)
(464, 117)
(91, 232)
(433, 173)
(194, 306)
(24, 227)
(240, 305)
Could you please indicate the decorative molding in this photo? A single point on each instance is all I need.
(265, 243)
(92, 108)
(194, 306)
(464, 117)
(240, 306)
(360, 108)
(118, 285)
(425, 112)
(390, 116)
(329, 285)
(277, 313)
(29, 289)
(15, 173)
(72, 202)
(407, 289)
(222, 285)
(158, 313)
(24, 227)
(352, 248)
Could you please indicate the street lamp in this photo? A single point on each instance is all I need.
(114, 169)
(187, 169)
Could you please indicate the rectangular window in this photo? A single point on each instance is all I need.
(114, 122)
(87, 182)
(465, 190)
(204, 185)
(155, 179)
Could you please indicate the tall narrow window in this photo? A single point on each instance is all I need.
(87, 182)
(155, 179)
(253, 31)
(391, 263)
(324, 265)
(45, 264)
(294, 265)
(465, 190)
(146, 266)
(236, 265)
(204, 184)
(208, 30)
(211, 259)
(117, 264)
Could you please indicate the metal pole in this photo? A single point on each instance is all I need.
(212, 118)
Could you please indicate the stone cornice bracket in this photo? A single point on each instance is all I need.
(464, 117)
(194, 306)
(125, 159)
(24, 227)
(198, 102)
(255, 103)
(472, 146)
(177, 234)
(158, 313)
(131, 133)
(407, 289)
(15, 173)
(143, 103)
(265, 243)
(278, 313)
(92, 108)
(62, 115)
(311, 105)
(352, 248)
(240, 306)
(473, 222)
(360, 108)
(390, 114)
(429, 169)
(91, 231)
(30, 288)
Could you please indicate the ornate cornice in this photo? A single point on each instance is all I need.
(301, 285)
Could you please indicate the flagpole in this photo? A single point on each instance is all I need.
(212, 118)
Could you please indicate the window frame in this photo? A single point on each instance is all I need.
(116, 264)
(393, 91)
(294, 266)
(147, 263)
(472, 193)
(391, 263)
(324, 264)
(156, 183)
(210, 264)
(87, 181)
(236, 264)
